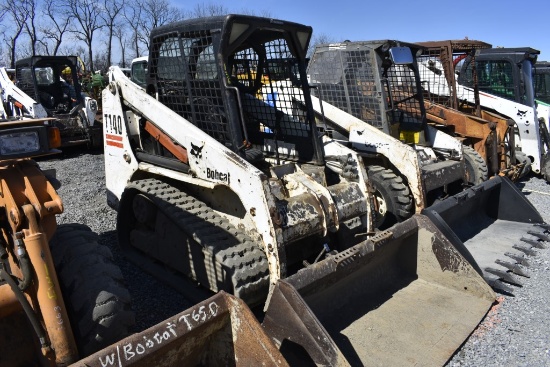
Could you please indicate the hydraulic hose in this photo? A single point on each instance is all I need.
(33, 318)
(24, 264)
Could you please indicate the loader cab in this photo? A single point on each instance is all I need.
(138, 71)
(542, 81)
(504, 72)
(52, 81)
(375, 81)
(214, 71)
(438, 62)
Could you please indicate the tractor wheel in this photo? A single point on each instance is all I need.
(523, 158)
(393, 196)
(97, 301)
(476, 167)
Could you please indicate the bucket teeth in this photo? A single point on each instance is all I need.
(520, 259)
(525, 249)
(540, 235)
(546, 226)
(504, 276)
(500, 286)
(514, 268)
(533, 242)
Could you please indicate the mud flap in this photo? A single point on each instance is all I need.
(404, 297)
(494, 226)
(220, 331)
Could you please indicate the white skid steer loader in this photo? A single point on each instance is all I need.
(214, 185)
(506, 85)
(371, 96)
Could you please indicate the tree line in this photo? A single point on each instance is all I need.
(100, 32)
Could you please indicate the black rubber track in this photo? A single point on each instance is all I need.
(93, 288)
(476, 167)
(244, 262)
(394, 193)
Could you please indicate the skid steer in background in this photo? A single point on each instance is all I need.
(378, 82)
(491, 135)
(213, 184)
(505, 80)
(48, 86)
(370, 98)
(61, 296)
(139, 71)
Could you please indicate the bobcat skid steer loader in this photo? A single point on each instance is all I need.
(215, 185)
(377, 82)
(488, 133)
(505, 80)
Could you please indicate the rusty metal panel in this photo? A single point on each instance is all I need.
(220, 331)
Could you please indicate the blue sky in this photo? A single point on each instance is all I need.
(498, 22)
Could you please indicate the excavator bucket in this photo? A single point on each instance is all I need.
(404, 297)
(495, 227)
(220, 331)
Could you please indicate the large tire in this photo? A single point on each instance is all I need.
(523, 158)
(476, 167)
(97, 302)
(394, 197)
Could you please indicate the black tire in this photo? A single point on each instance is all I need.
(523, 158)
(97, 301)
(476, 167)
(393, 196)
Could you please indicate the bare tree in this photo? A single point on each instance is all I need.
(87, 21)
(318, 39)
(123, 42)
(55, 26)
(100, 60)
(132, 14)
(155, 13)
(16, 14)
(112, 10)
(30, 25)
(208, 10)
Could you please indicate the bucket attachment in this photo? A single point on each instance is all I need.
(220, 331)
(494, 226)
(404, 297)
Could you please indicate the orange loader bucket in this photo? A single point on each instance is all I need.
(220, 331)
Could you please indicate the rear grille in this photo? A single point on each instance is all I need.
(350, 78)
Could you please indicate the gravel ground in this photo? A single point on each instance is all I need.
(516, 331)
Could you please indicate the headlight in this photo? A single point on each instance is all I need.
(19, 143)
